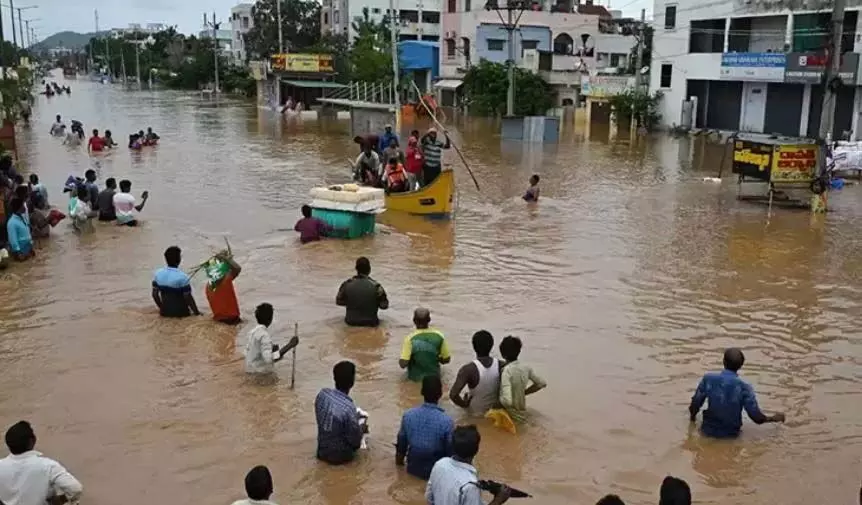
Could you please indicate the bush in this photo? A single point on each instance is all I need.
(641, 103)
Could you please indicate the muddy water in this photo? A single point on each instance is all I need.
(625, 283)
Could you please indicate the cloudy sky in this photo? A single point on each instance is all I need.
(77, 15)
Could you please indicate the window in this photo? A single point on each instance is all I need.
(326, 18)
(666, 72)
(669, 17)
(529, 44)
(452, 6)
(431, 17)
(563, 44)
(466, 5)
(245, 23)
(450, 48)
(375, 11)
(334, 18)
(496, 44)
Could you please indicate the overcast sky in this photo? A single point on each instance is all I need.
(78, 15)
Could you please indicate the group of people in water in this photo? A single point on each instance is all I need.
(55, 89)
(97, 143)
(382, 163)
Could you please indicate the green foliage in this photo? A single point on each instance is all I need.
(300, 27)
(486, 85)
(339, 47)
(371, 54)
(643, 104)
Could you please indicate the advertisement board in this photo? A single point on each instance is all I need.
(752, 159)
(303, 63)
(752, 67)
(794, 163)
(809, 68)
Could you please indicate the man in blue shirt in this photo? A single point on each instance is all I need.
(172, 290)
(384, 140)
(18, 231)
(426, 432)
(728, 396)
(339, 434)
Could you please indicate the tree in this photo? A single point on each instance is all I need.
(486, 85)
(338, 46)
(300, 26)
(371, 54)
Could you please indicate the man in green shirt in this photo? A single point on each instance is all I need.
(424, 350)
(517, 380)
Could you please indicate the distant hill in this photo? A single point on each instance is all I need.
(72, 40)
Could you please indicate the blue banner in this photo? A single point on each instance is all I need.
(761, 60)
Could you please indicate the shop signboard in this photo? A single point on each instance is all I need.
(752, 67)
(752, 159)
(809, 68)
(794, 163)
(301, 63)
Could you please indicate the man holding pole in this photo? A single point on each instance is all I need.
(433, 149)
(260, 353)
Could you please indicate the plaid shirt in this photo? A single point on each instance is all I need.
(425, 437)
(338, 431)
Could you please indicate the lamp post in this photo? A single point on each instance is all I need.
(510, 24)
(215, 26)
(22, 24)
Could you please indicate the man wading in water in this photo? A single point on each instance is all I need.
(362, 296)
(481, 377)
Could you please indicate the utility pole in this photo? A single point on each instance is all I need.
(827, 110)
(280, 30)
(2, 39)
(12, 11)
(633, 124)
(138, 63)
(511, 25)
(215, 25)
(419, 9)
(20, 24)
(123, 67)
(393, 36)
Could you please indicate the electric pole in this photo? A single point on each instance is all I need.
(827, 110)
(511, 25)
(12, 12)
(640, 54)
(280, 32)
(393, 36)
(138, 63)
(215, 25)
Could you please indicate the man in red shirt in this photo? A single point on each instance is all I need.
(311, 229)
(222, 296)
(96, 143)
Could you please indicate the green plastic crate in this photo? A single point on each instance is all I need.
(347, 224)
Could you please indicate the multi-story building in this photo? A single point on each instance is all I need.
(417, 19)
(138, 28)
(241, 21)
(752, 65)
(572, 39)
(225, 41)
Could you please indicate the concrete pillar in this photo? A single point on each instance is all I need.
(857, 109)
(589, 103)
(788, 32)
(726, 34)
(806, 109)
(857, 44)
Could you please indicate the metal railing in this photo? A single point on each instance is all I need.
(382, 92)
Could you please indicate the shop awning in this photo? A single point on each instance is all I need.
(315, 84)
(448, 84)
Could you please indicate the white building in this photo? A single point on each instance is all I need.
(572, 39)
(138, 28)
(241, 21)
(416, 18)
(752, 65)
(225, 40)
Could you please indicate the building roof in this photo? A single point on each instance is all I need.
(594, 10)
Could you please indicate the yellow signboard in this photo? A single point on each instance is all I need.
(749, 154)
(794, 163)
(302, 62)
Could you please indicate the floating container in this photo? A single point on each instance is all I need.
(348, 208)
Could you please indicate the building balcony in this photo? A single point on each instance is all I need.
(411, 28)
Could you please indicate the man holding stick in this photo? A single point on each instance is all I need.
(260, 353)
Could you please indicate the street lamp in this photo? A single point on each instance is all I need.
(29, 33)
(12, 9)
(510, 24)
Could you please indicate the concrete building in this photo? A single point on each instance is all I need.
(241, 21)
(752, 65)
(225, 40)
(138, 28)
(560, 39)
(416, 18)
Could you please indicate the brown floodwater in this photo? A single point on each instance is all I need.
(625, 282)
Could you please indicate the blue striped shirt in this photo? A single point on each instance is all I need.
(338, 431)
(433, 150)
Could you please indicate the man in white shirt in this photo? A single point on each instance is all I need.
(258, 487)
(58, 129)
(28, 478)
(260, 353)
(124, 204)
(454, 480)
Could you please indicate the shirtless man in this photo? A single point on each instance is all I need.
(481, 376)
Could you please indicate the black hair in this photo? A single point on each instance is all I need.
(107, 133)
(483, 342)
(22, 192)
(34, 179)
(363, 266)
(611, 499)
(173, 256)
(20, 437)
(264, 313)
(733, 359)
(344, 374)
(306, 211)
(16, 205)
(465, 442)
(258, 483)
(674, 492)
(510, 348)
(5, 163)
(535, 177)
(432, 388)
(393, 160)
(125, 185)
(90, 175)
(111, 183)
(19, 179)
(414, 133)
(95, 132)
(359, 140)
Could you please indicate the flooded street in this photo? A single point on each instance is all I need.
(626, 283)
